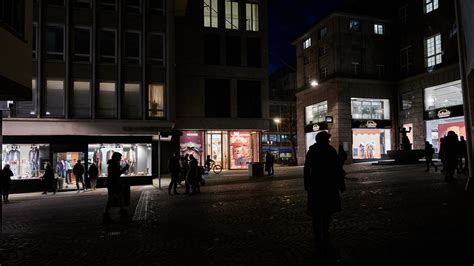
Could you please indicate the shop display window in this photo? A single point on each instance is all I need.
(377, 109)
(446, 95)
(27, 161)
(370, 143)
(437, 129)
(217, 146)
(191, 143)
(316, 113)
(63, 163)
(137, 156)
(241, 152)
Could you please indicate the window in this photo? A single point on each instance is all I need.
(430, 5)
(55, 2)
(28, 109)
(82, 44)
(252, 16)
(55, 42)
(406, 59)
(34, 44)
(107, 46)
(316, 113)
(132, 47)
(446, 95)
(157, 6)
(355, 68)
(249, 104)
(307, 43)
(81, 100)
(323, 32)
(156, 97)
(109, 5)
(378, 109)
(233, 51)
(433, 51)
(323, 50)
(134, 6)
(254, 52)
(131, 108)
(403, 14)
(107, 100)
(212, 51)
(354, 25)
(406, 100)
(12, 16)
(87, 4)
(378, 29)
(380, 70)
(232, 14)
(54, 99)
(211, 13)
(217, 98)
(156, 48)
(323, 72)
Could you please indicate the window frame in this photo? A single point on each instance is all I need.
(232, 18)
(379, 29)
(44, 112)
(133, 60)
(352, 24)
(148, 110)
(153, 59)
(154, 10)
(72, 106)
(430, 6)
(100, 46)
(437, 55)
(140, 99)
(133, 9)
(211, 10)
(97, 100)
(323, 32)
(355, 68)
(106, 6)
(90, 45)
(83, 8)
(307, 43)
(53, 5)
(251, 24)
(64, 42)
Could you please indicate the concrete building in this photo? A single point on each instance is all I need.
(222, 80)
(374, 75)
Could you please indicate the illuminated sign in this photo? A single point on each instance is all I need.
(371, 124)
(315, 127)
(192, 134)
(443, 113)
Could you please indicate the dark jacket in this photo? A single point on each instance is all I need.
(323, 179)
(93, 171)
(78, 170)
(48, 176)
(113, 175)
(5, 177)
(173, 165)
(193, 170)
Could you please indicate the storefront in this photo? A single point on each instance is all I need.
(315, 122)
(279, 145)
(230, 149)
(443, 112)
(371, 128)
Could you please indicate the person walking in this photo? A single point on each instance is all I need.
(175, 170)
(115, 190)
(208, 163)
(48, 179)
(268, 163)
(193, 176)
(5, 182)
(441, 153)
(463, 156)
(429, 151)
(451, 155)
(342, 156)
(78, 171)
(185, 170)
(323, 181)
(93, 175)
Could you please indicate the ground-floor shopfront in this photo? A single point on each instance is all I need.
(28, 156)
(232, 149)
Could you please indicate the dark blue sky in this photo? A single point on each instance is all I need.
(289, 18)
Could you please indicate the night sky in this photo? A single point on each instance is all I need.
(287, 20)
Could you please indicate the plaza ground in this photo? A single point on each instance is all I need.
(392, 215)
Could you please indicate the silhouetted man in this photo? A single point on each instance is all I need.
(78, 171)
(323, 179)
(462, 155)
(175, 170)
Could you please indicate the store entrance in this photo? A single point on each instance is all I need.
(370, 143)
(216, 147)
(63, 162)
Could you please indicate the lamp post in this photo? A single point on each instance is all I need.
(278, 122)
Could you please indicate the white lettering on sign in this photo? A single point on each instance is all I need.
(444, 113)
(371, 124)
(192, 134)
(315, 127)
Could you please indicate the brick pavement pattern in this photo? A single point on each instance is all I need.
(392, 215)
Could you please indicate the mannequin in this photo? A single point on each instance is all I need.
(98, 160)
(131, 155)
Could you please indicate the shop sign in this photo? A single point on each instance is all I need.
(315, 127)
(443, 113)
(371, 124)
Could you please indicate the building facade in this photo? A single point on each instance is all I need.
(377, 75)
(103, 73)
(222, 80)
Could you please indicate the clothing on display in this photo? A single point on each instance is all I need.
(24, 159)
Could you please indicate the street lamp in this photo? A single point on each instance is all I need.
(278, 122)
(314, 83)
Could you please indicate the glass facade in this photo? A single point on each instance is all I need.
(54, 98)
(107, 102)
(377, 109)
(316, 113)
(446, 95)
(437, 129)
(370, 143)
(26, 160)
(81, 100)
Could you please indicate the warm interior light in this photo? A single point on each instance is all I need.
(314, 83)
(277, 120)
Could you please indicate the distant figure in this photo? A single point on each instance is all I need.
(208, 163)
(451, 155)
(78, 171)
(429, 151)
(463, 156)
(342, 156)
(405, 145)
(93, 175)
(175, 170)
(48, 179)
(116, 189)
(193, 176)
(185, 170)
(441, 153)
(323, 180)
(269, 163)
(362, 148)
(5, 182)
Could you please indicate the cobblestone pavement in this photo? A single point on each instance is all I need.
(392, 215)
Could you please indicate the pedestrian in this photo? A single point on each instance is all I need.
(268, 162)
(93, 175)
(441, 153)
(451, 155)
(342, 156)
(193, 176)
(185, 170)
(115, 188)
(78, 171)
(429, 151)
(463, 156)
(48, 179)
(323, 180)
(208, 163)
(175, 170)
(5, 182)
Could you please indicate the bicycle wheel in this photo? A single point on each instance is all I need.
(217, 169)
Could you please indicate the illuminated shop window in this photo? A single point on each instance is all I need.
(27, 161)
(316, 113)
